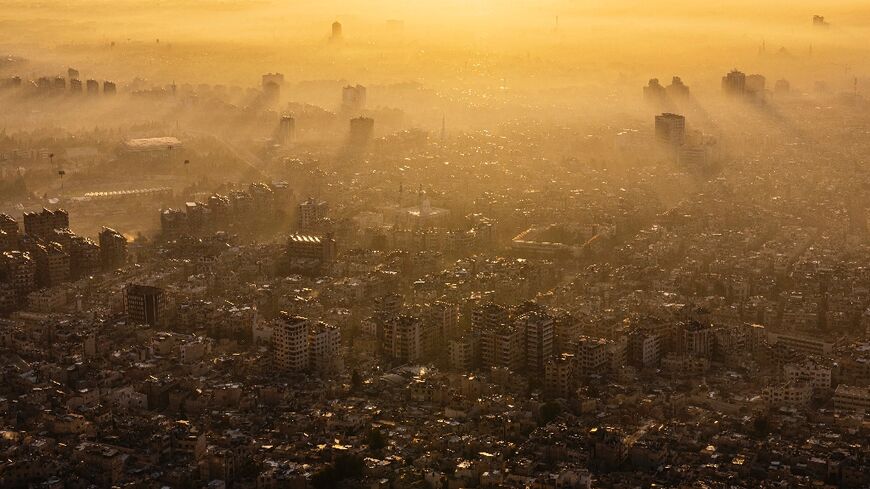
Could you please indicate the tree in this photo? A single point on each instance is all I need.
(549, 411)
(355, 380)
(345, 466)
(349, 466)
(324, 478)
(761, 425)
(375, 439)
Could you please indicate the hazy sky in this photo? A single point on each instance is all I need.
(220, 19)
(440, 39)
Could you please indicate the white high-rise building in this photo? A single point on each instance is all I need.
(441, 323)
(324, 347)
(671, 129)
(353, 99)
(290, 342)
(304, 345)
(310, 212)
(403, 338)
(697, 340)
(644, 349)
(460, 352)
(538, 332)
(502, 346)
(591, 356)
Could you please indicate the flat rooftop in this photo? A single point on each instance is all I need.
(152, 144)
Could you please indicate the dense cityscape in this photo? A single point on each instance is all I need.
(308, 282)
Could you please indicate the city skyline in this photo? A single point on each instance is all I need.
(262, 244)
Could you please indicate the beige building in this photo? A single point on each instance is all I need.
(816, 375)
(849, 398)
(792, 394)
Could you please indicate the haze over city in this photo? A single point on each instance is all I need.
(434, 244)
